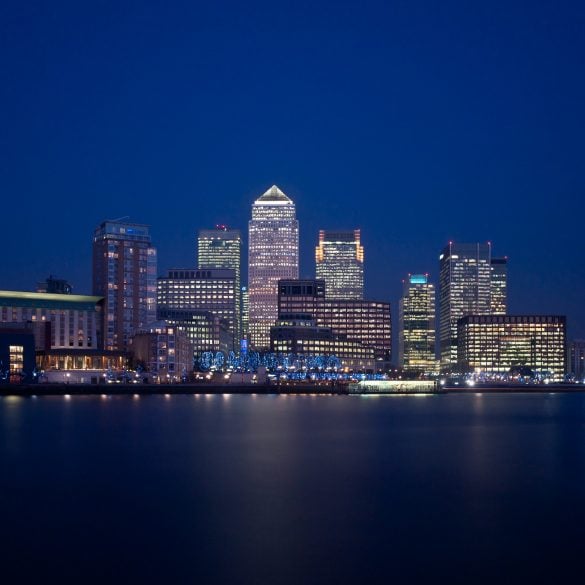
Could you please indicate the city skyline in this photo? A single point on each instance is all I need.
(388, 126)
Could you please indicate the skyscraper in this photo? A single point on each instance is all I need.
(416, 336)
(273, 254)
(339, 258)
(124, 272)
(465, 289)
(222, 248)
(499, 287)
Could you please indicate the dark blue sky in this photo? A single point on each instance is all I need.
(419, 122)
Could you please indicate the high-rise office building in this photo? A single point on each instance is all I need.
(577, 359)
(222, 248)
(339, 259)
(497, 344)
(124, 273)
(499, 287)
(465, 289)
(416, 336)
(365, 322)
(210, 290)
(273, 255)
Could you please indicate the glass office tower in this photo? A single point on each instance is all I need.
(465, 289)
(222, 248)
(273, 254)
(339, 259)
(416, 337)
(499, 287)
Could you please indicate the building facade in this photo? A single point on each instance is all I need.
(577, 359)
(499, 286)
(465, 289)
(124, 273)
(495, 344)
(164, 351)
(365, 322)
(17, 353)
(339, 261)
(416, 336)
(300, 335)
(205, 330)
(60, 321)
(203, 290)
(222, 248)
(273, 254)
(245, 319)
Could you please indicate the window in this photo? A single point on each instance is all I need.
(16, 359)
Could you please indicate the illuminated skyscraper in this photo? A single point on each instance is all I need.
(273, 254)
(499, 301)
(222, 248)
(417, 325)
(124, 273)
(465, 289)
(339, 261)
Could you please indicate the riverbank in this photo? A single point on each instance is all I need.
(220, 389)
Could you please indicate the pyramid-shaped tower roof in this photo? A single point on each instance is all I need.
(273, 195)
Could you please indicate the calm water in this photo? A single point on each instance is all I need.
(246, 489)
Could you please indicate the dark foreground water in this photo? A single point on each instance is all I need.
(265, 489)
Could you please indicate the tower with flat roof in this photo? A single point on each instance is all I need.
(124, 273)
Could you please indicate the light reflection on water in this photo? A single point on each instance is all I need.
(293, 489)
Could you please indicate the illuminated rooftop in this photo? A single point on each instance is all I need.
(273, 196)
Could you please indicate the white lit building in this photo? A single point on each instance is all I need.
(339, 261)
(416, 337)
(273, 255)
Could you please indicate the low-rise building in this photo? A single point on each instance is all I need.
(300, 334)
(496, 344)
(163, 350)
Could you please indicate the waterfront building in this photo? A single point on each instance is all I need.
(499, 286)
(339, 261)
(163, 350)
(68, 329)
(273, 254)
(465, 289)
(124, 273)
(222, 248)
(205, 330)
(416, 336)
(17, 353)
(577, 359)
(207, 290)
(496, 344)
(365, 322)
(300, 335)
(60, 321)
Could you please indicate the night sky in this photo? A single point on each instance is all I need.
(418, 122)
